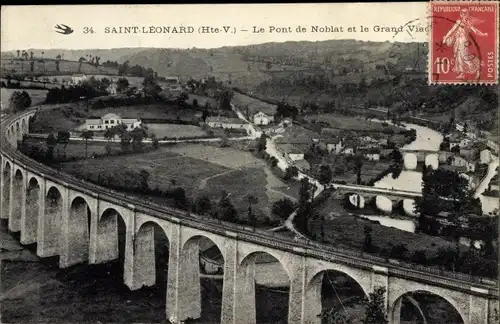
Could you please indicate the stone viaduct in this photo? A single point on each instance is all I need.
(393, 197)
(77, 221)
(429, 158)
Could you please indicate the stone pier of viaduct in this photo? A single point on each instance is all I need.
(78, 222)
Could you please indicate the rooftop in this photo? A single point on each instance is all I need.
(111, 116)
(290, 149)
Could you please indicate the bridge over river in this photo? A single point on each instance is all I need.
(77, 221)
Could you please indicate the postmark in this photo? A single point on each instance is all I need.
(463, 42)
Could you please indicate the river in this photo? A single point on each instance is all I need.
(427, 139)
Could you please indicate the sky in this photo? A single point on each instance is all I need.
(24, 27)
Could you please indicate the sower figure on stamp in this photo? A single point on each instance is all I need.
(459, 36)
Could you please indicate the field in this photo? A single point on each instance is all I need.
(196, 168)
(148, 111)
(174, 130)
(74, 149)
(199, 169)
(352, 123)
(37, 96)
(48, 66)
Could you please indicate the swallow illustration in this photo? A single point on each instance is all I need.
(65, 30)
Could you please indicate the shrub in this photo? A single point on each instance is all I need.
(419, 257)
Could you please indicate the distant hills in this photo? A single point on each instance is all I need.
(247, 65)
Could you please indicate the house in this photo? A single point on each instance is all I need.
(260, 118)
(172, 80)
(334, 146)
(78, 78)
(464, 142)
(469, 152)
(227, 122)
(459, 161)
(112, 88)
(110, 120)
(173, 90)
(493, 185)
(485, 156)
(455, 139)
(292, 152)
(348, 151)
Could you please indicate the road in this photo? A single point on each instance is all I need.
(487, 179)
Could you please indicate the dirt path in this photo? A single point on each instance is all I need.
(203, 182)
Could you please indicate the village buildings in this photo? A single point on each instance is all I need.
(110, 120)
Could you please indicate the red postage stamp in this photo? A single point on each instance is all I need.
(464, 42)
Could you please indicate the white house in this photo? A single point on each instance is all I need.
(485, 156)
(348, 151)
(112, 88)
(459, 161)
(464, 142)
(334, 146)
(261, 118)
(110, 120)
(78, 78)
(372, 156)
(292, 152)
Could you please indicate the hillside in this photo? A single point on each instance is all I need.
(48, 67)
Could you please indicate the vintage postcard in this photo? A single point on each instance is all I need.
(250, 163)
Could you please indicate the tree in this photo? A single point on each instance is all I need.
(290, 172)
(109, 133)
(138, 134)
(122, 84)
(63, 138)
(225, 209)
(261, 144)
(251, 216)
(80, 62)
(305, 208)
(50, 142)
(203, 205)
(358, 167)
(445, 144)
(367, 243)
(325, 174)
(18, 51)
(396, 157)
(125, 140)
(455, 149)
(179, 195)
(283, 208)
(144, 177)
(86, 135)
(19, 101)
(205, 115)
(154, 141)
(375, 309)
(446, 191)
(332, 316)
(225, 100)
